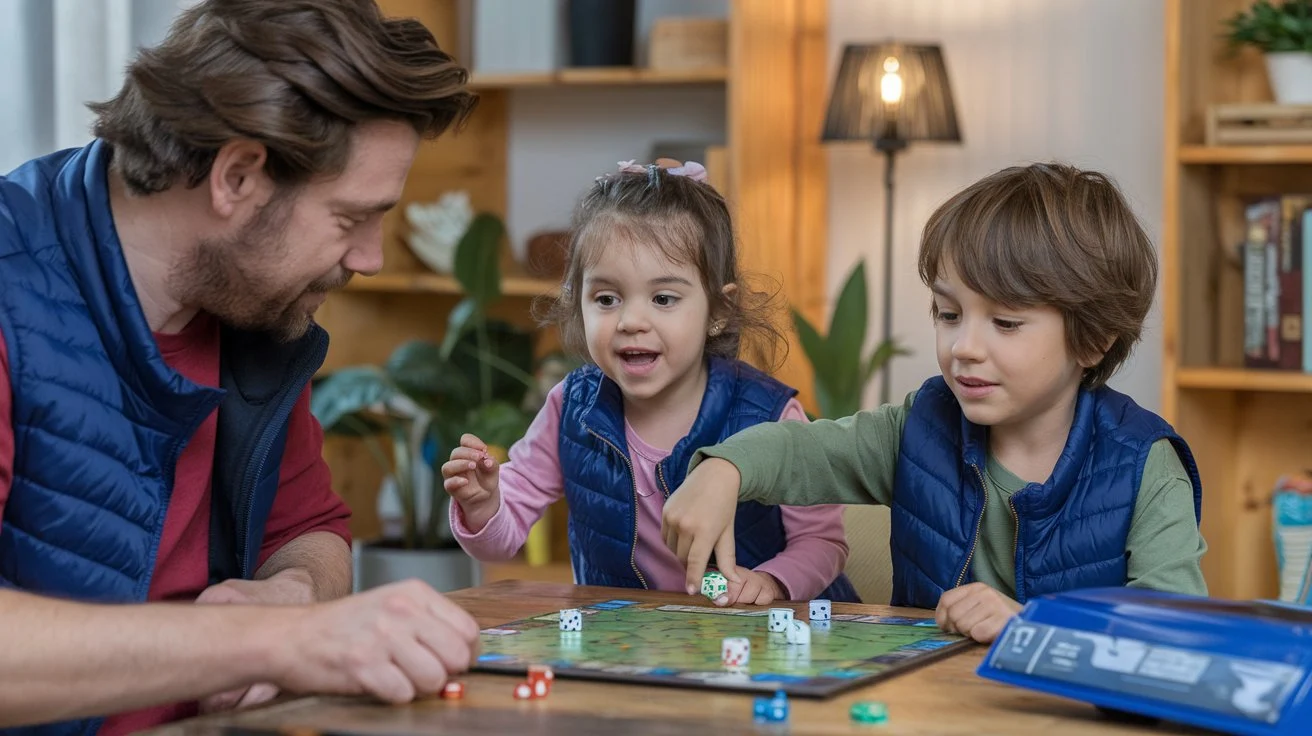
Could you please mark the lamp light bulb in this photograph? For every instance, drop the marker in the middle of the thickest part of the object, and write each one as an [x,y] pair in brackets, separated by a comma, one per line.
[890,83]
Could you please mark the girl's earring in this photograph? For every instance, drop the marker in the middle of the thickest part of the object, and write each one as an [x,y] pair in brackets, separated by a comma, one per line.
[715,329]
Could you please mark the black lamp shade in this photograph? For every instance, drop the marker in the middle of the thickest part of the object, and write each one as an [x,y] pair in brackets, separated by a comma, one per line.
[925,111]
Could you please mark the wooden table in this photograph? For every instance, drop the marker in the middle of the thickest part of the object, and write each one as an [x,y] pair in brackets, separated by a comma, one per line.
[944,697]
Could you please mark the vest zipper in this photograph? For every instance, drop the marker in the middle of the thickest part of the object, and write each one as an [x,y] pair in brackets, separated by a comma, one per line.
[633,550]
[974,540]
[1015,541]
[660,476]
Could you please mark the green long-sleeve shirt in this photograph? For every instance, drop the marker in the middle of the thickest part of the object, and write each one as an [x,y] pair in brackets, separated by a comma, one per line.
[852,461]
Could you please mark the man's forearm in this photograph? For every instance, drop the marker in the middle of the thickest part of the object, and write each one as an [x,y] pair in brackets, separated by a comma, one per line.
[62,660]
[324,556]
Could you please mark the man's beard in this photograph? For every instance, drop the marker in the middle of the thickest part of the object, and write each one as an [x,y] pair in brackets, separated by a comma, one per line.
[234,278]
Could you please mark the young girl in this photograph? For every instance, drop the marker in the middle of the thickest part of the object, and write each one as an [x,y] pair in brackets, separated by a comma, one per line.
[652,296]
[1016,472]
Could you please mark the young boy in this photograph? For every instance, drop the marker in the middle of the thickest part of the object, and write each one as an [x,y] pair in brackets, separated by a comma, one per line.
[1017,472]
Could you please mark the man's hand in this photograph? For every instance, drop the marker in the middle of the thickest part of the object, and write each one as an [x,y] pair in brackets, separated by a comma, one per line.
[756,589]
[288,587]
[392,642]
[698,519]
[975,610]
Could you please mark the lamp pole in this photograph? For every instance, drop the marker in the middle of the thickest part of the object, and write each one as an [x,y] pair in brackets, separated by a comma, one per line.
[890,146]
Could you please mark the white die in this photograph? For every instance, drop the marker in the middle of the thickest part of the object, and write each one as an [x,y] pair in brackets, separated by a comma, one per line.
[571,619]
[735,651]
[779,619]
[798,633]
[820,609]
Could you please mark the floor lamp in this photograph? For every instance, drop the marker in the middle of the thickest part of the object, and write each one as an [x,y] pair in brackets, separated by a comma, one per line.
[891,94]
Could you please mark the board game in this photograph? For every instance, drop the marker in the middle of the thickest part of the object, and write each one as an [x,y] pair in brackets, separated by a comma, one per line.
[678,645]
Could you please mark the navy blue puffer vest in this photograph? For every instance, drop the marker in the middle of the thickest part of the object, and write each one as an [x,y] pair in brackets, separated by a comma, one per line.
[99,419]
[1071,530]
[599,485]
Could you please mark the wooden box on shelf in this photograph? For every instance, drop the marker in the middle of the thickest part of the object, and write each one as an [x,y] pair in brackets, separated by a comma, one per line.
[688,43]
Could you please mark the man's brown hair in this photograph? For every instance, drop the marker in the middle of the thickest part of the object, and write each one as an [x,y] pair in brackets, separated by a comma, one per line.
[294,75]
[1052,234]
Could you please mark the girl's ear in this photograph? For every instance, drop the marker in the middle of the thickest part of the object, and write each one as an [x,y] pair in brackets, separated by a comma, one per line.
[719,320]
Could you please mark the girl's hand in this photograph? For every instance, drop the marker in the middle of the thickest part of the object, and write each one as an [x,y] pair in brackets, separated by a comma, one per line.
[975,610]
[472,476]
[756,589]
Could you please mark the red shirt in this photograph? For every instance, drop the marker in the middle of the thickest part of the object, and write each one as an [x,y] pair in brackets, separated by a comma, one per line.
[305,502]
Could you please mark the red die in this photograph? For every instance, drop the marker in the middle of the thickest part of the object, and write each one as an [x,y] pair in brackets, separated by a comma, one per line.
[523,691]
[453,690]
[540,677]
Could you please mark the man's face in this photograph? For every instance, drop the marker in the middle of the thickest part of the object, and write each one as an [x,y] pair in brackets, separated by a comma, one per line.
[279,265]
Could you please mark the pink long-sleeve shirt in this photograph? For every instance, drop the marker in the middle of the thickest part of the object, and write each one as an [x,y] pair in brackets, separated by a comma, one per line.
[532,480]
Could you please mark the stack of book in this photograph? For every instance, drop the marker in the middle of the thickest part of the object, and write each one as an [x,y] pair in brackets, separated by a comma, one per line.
[1278,240]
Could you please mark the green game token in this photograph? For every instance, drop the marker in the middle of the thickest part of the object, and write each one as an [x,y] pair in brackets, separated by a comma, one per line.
[869,712]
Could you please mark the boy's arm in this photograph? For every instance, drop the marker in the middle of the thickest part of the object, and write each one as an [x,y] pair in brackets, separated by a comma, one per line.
[1164,545]
[529,482]
[849,460]
[816,550]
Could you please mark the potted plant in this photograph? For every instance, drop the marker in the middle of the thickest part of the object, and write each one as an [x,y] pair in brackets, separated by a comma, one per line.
[412,409]
[1283,33]
[842,371]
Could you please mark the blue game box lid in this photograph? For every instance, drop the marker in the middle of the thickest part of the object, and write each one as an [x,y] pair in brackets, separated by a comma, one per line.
[1242,667]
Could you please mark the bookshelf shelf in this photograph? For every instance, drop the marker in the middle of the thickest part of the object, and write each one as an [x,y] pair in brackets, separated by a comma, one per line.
[1257,155]
[433,283]
[1240,379]
[600,76]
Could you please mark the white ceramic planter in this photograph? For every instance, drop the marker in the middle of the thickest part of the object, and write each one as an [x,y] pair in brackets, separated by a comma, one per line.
[1291,76]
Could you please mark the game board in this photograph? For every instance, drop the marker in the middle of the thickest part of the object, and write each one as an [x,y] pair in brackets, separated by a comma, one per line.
[680,645]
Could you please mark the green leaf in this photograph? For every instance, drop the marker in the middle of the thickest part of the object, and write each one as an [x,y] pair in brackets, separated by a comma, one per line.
[478,258]
[457,323]
[847,333]
[498,423]
[883,352]
[347,392]
[815,347]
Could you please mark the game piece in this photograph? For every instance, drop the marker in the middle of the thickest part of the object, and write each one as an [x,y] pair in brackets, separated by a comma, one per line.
[571,619]
[523,691]
[453,690]
[735,651]
[770,710]
[539,678]
[798,633]
[820,609]
[714,584]
[779,618]
[868,711]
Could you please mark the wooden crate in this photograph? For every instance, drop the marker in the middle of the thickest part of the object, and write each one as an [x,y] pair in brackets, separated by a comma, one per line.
[1258,124]
[688,43]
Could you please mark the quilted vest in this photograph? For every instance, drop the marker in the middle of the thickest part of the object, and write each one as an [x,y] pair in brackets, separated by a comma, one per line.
[600,489]
[1071,530]
[100,419]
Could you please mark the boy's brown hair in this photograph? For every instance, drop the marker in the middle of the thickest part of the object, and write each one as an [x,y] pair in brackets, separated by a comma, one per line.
[690,223]
[1052,234]
[294,75]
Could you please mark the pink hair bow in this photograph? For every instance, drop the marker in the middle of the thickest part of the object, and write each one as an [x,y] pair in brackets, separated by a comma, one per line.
[690,169]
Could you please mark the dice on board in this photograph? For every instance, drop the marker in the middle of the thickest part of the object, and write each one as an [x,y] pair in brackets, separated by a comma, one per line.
[714,584]
[798,633]
[571,619]
[820,609]
[778,619]
[736,651]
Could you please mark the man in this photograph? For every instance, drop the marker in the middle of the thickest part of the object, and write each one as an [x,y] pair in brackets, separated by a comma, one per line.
[157,454]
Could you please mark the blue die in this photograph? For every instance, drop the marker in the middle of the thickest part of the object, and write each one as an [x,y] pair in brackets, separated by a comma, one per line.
[770,710]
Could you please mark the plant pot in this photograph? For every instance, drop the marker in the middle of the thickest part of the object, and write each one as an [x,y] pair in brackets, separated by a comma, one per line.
[386,561]
[601,32]
[1290,73]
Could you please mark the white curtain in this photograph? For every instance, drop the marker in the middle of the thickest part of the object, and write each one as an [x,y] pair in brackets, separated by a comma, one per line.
[58,55]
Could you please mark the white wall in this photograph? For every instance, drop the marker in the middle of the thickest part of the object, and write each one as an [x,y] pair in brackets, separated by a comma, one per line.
[1076,80]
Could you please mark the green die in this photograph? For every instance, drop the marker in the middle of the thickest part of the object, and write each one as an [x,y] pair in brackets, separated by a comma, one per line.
[869,712]
[714,585]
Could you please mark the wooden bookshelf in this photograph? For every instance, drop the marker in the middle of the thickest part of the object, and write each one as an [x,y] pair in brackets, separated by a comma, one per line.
[1246,427]
[433,283]
[601,76]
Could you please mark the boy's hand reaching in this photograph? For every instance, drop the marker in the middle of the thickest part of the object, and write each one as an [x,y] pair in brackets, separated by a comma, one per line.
[756,589]
[975,610]
[698,519]
[471,476]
